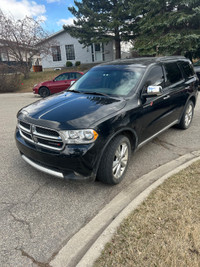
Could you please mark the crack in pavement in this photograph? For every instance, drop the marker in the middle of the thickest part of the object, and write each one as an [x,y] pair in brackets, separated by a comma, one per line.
[36,191]
[38,263]
[24,222]
[24,202]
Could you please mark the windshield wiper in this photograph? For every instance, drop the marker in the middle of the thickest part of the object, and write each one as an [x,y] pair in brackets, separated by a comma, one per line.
[74,91]
[95,93]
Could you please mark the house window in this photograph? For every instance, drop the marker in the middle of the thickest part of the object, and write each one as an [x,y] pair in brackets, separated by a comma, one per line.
[56,53]
[97,47]
[70,54]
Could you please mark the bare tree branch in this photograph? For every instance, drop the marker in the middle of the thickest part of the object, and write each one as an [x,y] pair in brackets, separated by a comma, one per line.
[22,40]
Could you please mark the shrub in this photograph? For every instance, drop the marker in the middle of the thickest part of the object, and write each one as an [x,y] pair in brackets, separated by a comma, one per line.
[69,64]
[10,80]
[78,63]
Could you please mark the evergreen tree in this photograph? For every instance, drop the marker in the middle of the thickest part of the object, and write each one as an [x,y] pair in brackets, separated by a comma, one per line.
[99,21]
[169,28]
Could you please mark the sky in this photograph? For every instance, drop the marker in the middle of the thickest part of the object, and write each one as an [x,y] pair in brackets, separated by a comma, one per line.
[53,13]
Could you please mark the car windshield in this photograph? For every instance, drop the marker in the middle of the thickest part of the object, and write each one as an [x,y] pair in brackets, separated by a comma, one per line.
[109,80]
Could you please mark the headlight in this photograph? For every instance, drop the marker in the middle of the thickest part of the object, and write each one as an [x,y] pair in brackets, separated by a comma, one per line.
[35,85]
[79,136]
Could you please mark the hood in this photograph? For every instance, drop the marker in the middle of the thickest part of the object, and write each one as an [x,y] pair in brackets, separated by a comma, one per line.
[70,110]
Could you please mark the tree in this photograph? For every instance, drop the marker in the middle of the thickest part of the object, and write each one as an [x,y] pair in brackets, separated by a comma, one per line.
[169,28]
[99,21]
[21,40]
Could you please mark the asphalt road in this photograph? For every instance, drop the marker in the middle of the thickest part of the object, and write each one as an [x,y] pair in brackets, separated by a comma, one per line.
[39,213]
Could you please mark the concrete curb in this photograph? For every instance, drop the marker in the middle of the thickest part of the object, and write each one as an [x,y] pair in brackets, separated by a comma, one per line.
[86,245]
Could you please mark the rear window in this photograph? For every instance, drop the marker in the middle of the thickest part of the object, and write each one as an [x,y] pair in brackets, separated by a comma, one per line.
[173,73]
[187,68]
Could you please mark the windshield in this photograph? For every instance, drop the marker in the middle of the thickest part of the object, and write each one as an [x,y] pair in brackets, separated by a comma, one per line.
[116,81]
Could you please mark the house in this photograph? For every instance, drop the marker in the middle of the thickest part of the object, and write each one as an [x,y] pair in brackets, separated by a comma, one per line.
[67,48]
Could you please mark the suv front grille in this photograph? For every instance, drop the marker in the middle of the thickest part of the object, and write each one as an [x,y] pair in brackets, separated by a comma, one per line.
[40,136]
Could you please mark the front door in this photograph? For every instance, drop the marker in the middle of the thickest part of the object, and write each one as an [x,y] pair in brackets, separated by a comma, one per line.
[60,83]
[155,113]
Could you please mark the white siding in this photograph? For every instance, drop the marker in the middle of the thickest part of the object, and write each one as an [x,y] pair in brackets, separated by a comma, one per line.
[84,55]
[108,51]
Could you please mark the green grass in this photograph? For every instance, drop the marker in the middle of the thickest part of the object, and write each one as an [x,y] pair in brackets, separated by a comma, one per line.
[164,230]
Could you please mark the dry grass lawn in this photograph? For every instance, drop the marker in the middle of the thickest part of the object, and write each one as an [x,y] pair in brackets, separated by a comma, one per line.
[164,230]
[36,77]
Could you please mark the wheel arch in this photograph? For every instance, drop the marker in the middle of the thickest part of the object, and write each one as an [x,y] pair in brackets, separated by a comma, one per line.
[193,99]
[129,133]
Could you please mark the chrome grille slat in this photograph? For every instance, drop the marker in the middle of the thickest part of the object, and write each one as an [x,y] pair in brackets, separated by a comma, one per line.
[25,125]
[24,129]
[26,138]
[36,134]
[45,131]
[47,136]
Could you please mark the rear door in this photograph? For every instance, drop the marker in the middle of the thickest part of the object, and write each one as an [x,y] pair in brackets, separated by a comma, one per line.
[177,87]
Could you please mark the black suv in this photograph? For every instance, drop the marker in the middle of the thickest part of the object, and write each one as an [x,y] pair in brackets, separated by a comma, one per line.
[89,130]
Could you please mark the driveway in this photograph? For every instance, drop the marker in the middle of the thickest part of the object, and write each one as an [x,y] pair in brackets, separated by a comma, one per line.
[40,213]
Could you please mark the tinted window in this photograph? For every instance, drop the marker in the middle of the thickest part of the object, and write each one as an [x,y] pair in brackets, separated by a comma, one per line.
[173,73]
[61,77]
[155,76]
[188,69]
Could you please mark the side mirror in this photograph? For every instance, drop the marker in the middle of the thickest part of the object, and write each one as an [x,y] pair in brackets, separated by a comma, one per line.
[154,90]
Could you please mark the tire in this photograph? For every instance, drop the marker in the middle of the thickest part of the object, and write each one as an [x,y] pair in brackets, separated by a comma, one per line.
[44,92]
[115,161]
[187,116]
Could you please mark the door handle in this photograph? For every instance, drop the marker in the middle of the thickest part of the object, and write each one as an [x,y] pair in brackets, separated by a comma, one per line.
[166,97]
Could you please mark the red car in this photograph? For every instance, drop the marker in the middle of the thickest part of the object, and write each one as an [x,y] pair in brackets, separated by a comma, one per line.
[58,84]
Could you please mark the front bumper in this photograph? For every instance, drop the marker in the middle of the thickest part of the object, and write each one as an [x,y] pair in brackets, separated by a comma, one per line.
[35,90]
[77,162]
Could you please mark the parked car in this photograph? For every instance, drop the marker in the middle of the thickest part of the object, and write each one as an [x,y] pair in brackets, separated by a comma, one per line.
[58,84]
[197,69]
[90,130]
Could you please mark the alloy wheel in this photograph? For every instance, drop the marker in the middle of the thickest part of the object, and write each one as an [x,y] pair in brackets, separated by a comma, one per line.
[188,115]
[120,160]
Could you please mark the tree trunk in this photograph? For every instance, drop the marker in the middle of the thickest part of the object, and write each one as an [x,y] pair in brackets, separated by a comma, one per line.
[117,44]
[25,69]
[117,49]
